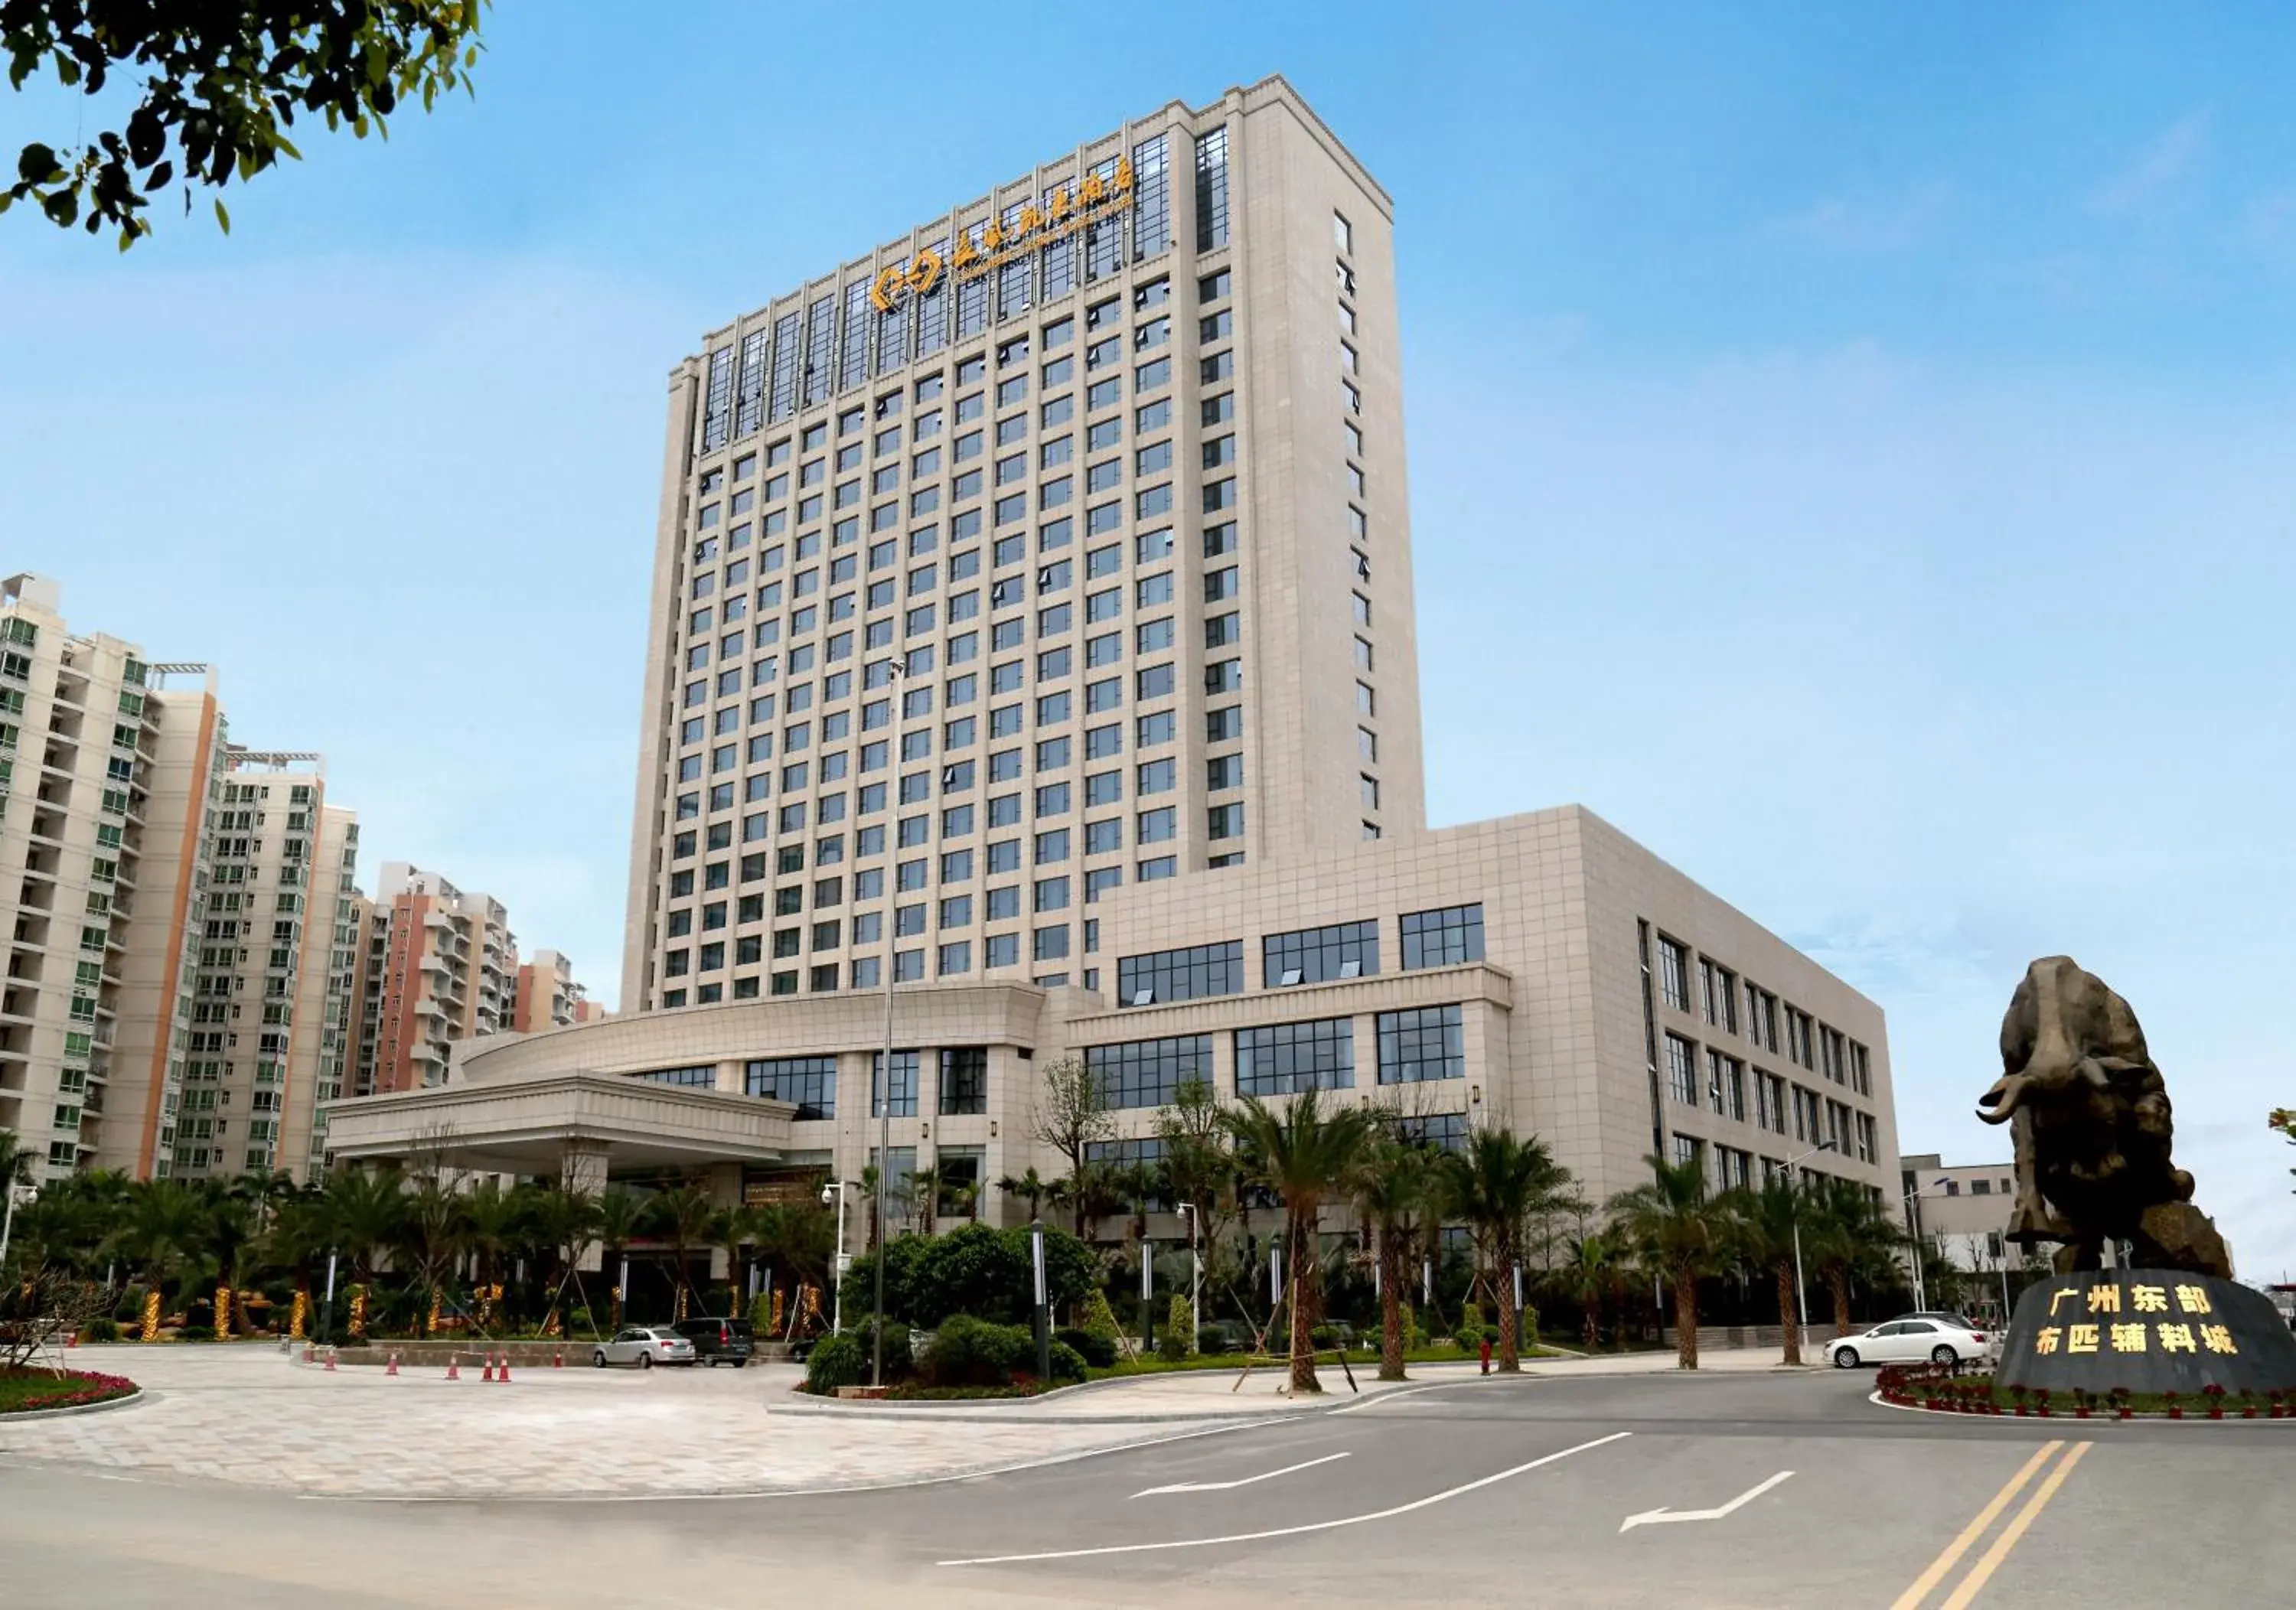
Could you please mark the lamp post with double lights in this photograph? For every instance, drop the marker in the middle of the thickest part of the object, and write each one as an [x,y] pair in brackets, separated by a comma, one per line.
[1195,1277]
[840,1260]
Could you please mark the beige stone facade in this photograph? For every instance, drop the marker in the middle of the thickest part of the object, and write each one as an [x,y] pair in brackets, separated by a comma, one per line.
[1963,1209]
[1089,570]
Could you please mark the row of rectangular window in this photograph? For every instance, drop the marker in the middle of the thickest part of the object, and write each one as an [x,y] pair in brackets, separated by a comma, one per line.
[1806,1043]
[1446,937]
[1413,1046]
[1777,1105]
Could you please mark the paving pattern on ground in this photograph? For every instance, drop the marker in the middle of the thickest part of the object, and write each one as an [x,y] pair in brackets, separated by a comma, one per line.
[245,1414]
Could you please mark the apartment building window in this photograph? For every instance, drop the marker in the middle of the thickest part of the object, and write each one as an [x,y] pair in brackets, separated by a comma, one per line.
[1343,234]
[1681,1070]
[1421,1043]
[1762,1018]
[904,1094]
[1190,973]
[1149,1073]
[1284,1057]
[1861,1070]
[1726,1084]
[1674,972]
[1443,937]
[964,1080]
[1717,994]
[1869,1143]
[1342,950]
[1769,1101]
[809,1081]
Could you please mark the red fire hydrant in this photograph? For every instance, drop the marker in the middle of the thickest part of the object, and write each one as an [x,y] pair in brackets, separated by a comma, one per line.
[1486,1355]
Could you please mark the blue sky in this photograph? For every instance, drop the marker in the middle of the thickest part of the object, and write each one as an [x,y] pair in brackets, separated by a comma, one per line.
[1854,454]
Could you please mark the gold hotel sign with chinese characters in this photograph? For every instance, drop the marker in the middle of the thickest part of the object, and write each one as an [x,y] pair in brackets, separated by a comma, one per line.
[2149,1324]
[1062,214]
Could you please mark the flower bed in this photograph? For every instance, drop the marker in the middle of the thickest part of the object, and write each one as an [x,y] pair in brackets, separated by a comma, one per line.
[1947,1390]
[23,1391]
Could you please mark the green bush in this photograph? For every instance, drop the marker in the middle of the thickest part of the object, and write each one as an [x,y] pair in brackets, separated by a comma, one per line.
[1068,1364]
[1324,1335]
[1179,1325]
[195,1333]
[1099,1318]
[966,1351]
[973,1270]
[101,1330]
[1099,1352]
[838,1361]
[843,1360]
[1211,1338]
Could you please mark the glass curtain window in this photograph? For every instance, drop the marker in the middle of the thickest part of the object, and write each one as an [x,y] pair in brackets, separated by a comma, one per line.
[1151,199]
[1015,279]
[1103,240]
[1421,1044]
[893,330]
[783,403]
[1211,190]
[1149,1073]
[904,1085]
[750,413]
[1060,257]
[820,341]
[718,402]
[1284,1058]
[972,294]
[933,309]
[853,358]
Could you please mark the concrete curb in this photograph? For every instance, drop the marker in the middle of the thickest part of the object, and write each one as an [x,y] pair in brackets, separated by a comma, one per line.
[21,1415]
[2056,1422]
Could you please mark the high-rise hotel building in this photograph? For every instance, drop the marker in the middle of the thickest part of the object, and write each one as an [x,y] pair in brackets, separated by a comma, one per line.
[1032,637]
[1057,545]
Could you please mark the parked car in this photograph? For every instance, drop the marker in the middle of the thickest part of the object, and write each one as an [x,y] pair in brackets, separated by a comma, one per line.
[1936,1339]
[718,1341]
[644,1346]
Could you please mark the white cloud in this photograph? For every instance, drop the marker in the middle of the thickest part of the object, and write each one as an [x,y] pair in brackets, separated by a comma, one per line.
[2156,170]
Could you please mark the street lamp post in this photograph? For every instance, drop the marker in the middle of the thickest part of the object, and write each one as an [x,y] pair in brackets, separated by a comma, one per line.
[1802,1295]
[8,1219]
[1196,1278]
[836,1261]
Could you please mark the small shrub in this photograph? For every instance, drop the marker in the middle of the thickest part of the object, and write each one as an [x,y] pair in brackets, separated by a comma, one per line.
[1179,1325]
[1068,1364]
[843,1360]
[1470,1318]
[1099,1352]
[1099,1318]
[101,1330]
[195,1333]
[1210,1339]
[1324,1335]
[966,1351]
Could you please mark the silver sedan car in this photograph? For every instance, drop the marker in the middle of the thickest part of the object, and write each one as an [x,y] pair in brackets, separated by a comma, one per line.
[644,1346]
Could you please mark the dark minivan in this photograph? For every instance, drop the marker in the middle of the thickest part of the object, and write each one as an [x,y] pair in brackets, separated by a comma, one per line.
[718,1341]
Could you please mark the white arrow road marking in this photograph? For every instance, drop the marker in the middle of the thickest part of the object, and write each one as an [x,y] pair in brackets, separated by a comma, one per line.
[1654,1517]
[1345,1520]
[1265,1476]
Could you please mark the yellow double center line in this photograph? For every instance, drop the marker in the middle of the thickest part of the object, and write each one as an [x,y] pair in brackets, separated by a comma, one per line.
[1991,1560]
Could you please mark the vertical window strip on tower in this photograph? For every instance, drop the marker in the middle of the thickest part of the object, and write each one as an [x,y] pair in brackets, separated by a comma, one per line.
[1103,241]
[933,309]
[1151,199]
[783,402]
[972,294]
[1211,190]
[717,406]
[820,339]
[893,330]
[1060,257]
[750,413]
[853,360]
[1015,279]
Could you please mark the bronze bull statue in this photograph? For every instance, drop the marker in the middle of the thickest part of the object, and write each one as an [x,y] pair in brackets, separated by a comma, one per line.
[2090,1115]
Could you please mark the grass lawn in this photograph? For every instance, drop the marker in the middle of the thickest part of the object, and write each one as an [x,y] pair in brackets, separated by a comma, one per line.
[28,1389]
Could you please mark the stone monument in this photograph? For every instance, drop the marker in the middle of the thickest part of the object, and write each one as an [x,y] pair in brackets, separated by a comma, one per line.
[2090,1115]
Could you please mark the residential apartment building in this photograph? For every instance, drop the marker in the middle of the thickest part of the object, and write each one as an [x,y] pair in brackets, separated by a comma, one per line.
[1032,637]
[546,995]
[173,1002]
[441,965]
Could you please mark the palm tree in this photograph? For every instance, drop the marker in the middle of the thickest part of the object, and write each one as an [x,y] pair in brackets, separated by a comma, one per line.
[565,1220]
[1304,1153]
[681,1217]
[166,1227]
[363,1213]
[490,1225]
[1594,1269]
[924,1197]
[797,1240]
[432,1235]
[1030,1188]
[731,1229]
[1760,1226]
[1497,1184]
[1393,1187]
[1676,1233]
[1846,1232]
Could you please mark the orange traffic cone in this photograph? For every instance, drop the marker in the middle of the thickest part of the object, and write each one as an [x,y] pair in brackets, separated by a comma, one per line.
[393,1367]
[453,1368]
[330,1360]
[505,1376]
[558,1360]
[489,1373]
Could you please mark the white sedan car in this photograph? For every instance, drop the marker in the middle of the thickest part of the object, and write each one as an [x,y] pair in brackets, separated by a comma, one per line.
[1933,1339]
[644,1346]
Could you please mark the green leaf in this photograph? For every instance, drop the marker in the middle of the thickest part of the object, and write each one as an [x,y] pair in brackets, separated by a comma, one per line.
[39,166]
[222,214]
[62,206]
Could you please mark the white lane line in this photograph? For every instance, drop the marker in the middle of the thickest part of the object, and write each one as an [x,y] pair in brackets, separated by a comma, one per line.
[1246,1481]
[1389,1397]
[1659,1517]
[1253,1537]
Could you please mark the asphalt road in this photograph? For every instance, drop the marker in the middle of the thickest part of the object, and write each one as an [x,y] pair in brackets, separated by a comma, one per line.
[1492,1492]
